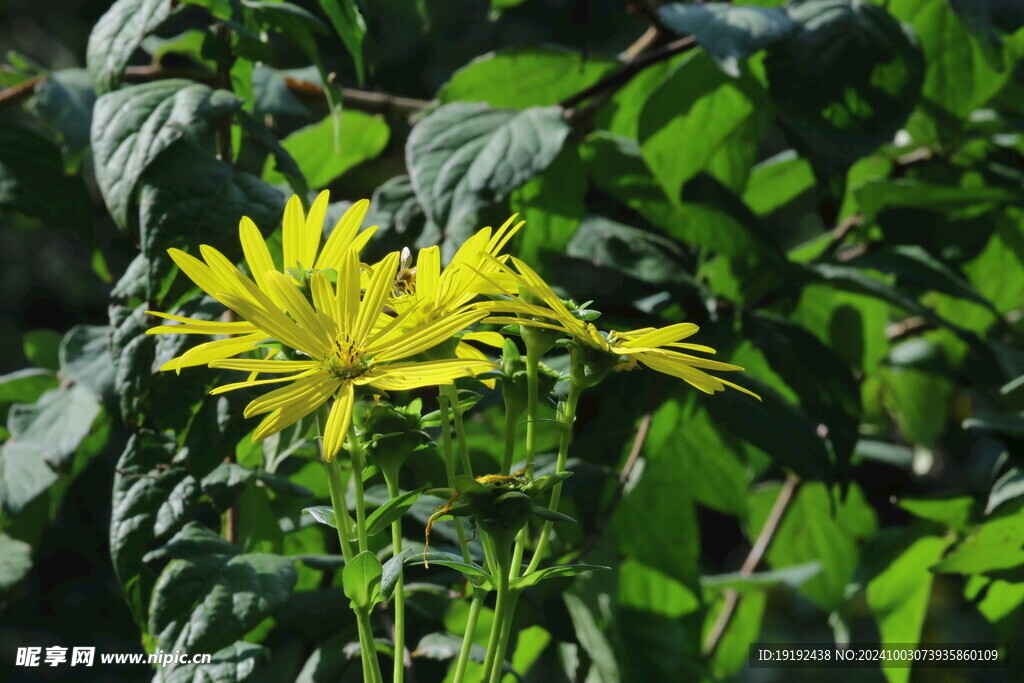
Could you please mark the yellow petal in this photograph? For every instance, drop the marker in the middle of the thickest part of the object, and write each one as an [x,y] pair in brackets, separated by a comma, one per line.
[338,421]
[376,296]
[256,253]
[490,338]
[428,272]
[316,324]
[196,326]
[292,232]
[313,229]
[267,317]
[342,235]
[291,413]
[253,383]
[297,392]
[253,365]
[212,351]
[346,302]
[402,376]
[197,271]
[467,351]
[660,337]
[423,338]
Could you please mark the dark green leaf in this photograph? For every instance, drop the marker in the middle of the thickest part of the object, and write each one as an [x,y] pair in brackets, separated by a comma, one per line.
[866,70]
[994,546]
[347,19]
[116,36]
[999,423]
[952,512]
[133,126]
[463,157]
[451,561]
[32,174]
[207,602]
[225,483]
[65,101]
[391,511]
[235,663]
[552,206]
[1008,487]
[518,78]
[551,515]
[729,33]
[558,571]
[777,181]
[193,541]
[875,197]
[391,572]
[85,358]
[362,580]
[15,562]
[323,514]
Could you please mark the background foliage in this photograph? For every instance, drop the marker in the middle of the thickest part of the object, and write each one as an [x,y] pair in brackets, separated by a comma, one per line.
[833,190]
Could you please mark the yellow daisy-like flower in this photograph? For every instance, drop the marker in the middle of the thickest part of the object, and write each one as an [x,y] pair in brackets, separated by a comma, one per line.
[649,346]
[344,346]
[426,292]
[301,241]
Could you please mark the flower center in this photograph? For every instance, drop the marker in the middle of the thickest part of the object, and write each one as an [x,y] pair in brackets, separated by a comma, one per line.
[345,360]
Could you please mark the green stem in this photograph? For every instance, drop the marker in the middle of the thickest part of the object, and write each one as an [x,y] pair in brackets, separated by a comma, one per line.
[453,397]
[449,466]
[367,646]
[510,441]
[341,516]
[506,632]
[532,384]
[501,607]
[467,638]
[568,417]
[391,478]
[355,450]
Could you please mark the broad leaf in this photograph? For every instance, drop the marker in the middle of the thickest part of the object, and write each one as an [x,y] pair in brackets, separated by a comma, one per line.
[15,562]
[362,580]
[26,386]
[54,425]
[558,571]
[451,561]
[85,358]
[463,157]
[391,511]
[116,36]
[235,663]
[729,33]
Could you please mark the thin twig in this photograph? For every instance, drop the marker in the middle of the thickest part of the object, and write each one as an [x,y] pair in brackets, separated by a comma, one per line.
[764,539]
[642,430]
[16,93]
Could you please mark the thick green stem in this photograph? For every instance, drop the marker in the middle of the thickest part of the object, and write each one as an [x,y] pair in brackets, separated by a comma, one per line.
[341,516]
[532,384]
[391,477]
[449,466]
[506,631]
[467,639]
[568,417]
[355,450]
[367,647]
[501,561]
[460,434]
[510,441]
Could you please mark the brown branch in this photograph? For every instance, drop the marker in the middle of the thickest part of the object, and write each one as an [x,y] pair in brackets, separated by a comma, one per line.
[618,79]
[16,93]
[907,328]
[757,551]
[642,430]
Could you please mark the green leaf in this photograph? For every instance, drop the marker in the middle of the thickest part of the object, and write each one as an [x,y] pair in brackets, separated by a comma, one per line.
[225,483]
[729,33]
[551,515]
[116,36]
[776,182]
[592,638]
[235,663]
[362,580]
[452,562]
[811,532]
[959,77]
[54,425]
[188,197]
[26,386]
[390,512]
[877,196]
[42,348]
[518,78]
[194,540]
[258,142]
[207,602]
[145,481]
[552,206]
[918,396]
[323,514]
[64,101]
[463,157]
[866,70]
[32,174]
[898,597]
[135,125]
[362,137]
[793,577]
[347,20]
[697,120]
[953,512]
[85,358]
[15,562]
[557,571]
[744,628]
[992,547]
[391,572]
[823,381]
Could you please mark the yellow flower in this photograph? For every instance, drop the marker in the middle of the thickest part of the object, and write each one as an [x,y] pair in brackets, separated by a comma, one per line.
[652,347]
[426,292]
[301,241]
[344,346]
